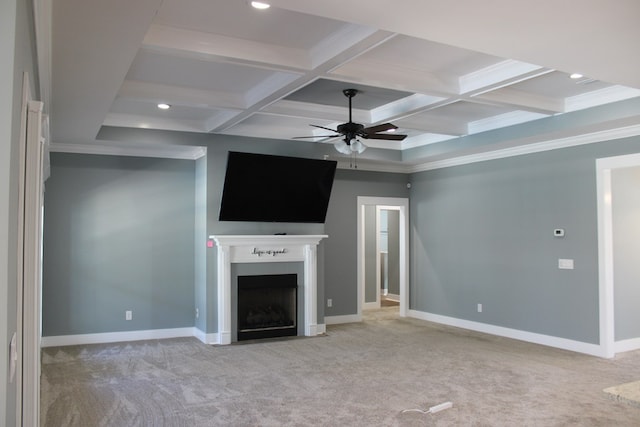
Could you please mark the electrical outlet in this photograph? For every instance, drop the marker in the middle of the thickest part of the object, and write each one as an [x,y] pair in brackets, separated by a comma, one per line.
[479,308]
[197,313]
[128,315]
[329,302]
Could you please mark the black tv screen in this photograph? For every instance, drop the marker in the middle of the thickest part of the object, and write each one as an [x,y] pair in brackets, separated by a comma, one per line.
[267,188]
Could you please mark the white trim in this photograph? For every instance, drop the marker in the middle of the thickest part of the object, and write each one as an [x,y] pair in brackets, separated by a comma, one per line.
[109,337]
[322,328]
[206,338]
[547,340]
[402,204]
[338,320]
[606,287]
[156,150]
[22,389]
[627,345]
[32,265]
[534,147]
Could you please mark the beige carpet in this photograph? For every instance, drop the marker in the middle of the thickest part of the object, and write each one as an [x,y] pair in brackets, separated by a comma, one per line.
[362,374]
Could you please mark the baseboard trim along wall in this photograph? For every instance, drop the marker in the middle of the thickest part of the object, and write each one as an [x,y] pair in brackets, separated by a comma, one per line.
[550,341]
[627,345]
[337,320]
[107,337]
[152,334]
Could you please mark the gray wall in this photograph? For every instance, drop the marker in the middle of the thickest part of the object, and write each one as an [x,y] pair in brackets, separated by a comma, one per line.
[118,235]
[17,55]
[626,249]
[483,233]
[341,226]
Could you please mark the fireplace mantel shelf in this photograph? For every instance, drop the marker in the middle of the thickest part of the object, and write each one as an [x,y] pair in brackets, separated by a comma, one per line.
[266,248]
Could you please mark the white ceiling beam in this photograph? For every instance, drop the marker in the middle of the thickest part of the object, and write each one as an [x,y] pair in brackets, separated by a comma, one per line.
[386,75]
[215,47]
[522,101]
[498,75]
[403,107]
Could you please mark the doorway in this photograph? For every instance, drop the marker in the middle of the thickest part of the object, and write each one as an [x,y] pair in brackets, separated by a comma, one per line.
[377,217]
[618,231]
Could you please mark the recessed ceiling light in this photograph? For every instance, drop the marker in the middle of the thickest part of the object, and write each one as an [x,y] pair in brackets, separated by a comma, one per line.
[164,106]
[576,76]
[260,5]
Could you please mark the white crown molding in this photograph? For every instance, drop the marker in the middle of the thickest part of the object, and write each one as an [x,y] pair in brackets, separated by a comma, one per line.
[600,97]
[160,151]
[548,145]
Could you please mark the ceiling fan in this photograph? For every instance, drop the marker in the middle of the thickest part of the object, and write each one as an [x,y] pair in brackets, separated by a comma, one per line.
[350,131]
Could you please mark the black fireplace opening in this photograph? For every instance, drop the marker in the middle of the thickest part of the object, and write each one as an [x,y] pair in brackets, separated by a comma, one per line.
[267,306]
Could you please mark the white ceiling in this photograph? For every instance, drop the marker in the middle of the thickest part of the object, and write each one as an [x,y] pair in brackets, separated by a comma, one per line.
[439,70]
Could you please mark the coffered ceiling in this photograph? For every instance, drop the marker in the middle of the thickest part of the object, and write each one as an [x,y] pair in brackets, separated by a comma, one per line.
[439,70]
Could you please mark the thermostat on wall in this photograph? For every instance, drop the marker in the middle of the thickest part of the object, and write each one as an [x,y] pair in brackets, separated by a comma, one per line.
[558,232]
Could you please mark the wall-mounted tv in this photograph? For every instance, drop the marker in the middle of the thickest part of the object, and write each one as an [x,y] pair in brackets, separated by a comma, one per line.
[268,188]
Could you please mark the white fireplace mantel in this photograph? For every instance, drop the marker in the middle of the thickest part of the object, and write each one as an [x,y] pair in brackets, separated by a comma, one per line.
[267,248]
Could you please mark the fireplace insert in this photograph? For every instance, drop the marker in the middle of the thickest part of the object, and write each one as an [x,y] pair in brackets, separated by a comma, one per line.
[267,306]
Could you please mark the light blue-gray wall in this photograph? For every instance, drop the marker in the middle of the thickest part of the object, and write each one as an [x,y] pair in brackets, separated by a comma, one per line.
[118,235]
[483,233]
[625,192]
[341,226]
[17,55]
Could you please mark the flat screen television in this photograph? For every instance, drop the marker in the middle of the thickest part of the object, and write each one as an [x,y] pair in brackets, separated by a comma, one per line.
[268,188]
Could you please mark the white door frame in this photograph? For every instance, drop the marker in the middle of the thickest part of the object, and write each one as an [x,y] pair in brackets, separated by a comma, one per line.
[29,259]
[604,167]
[396,203]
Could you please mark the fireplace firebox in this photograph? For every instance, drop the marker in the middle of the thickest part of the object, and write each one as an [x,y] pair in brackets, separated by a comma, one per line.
[267,306]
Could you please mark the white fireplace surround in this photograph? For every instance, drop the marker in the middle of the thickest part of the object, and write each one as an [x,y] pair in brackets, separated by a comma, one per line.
[267,249]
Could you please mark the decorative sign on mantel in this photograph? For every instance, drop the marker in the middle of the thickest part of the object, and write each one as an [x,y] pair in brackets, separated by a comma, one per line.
[271,252]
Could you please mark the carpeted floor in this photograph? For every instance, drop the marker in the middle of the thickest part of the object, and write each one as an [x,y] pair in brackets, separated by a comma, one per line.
[360,374]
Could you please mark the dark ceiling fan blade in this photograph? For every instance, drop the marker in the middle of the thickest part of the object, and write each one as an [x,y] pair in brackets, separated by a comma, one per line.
[322,127]
[380,128]
[318,136]
[387,136]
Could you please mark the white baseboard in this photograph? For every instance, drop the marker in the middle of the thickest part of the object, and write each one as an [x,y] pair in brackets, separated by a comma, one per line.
[107,337]
[336,320]
[548,340]
[627,345]
[370,305]
[206,338]
[152,334]
[393,297]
